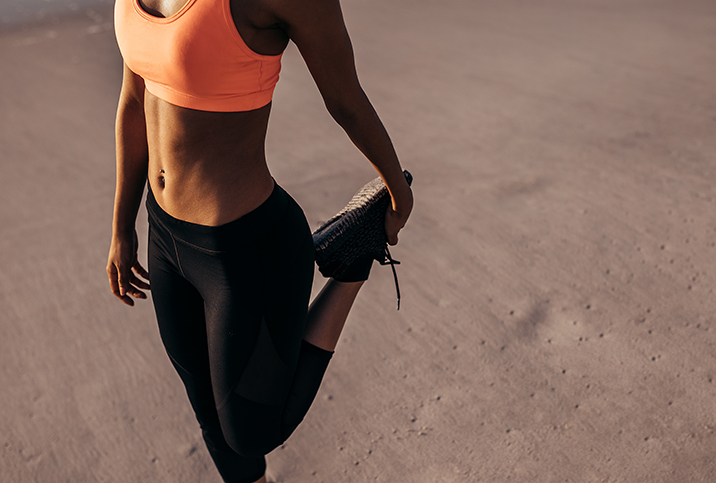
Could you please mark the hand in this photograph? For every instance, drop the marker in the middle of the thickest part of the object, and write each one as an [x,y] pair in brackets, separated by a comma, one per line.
[397,216]
[122,260]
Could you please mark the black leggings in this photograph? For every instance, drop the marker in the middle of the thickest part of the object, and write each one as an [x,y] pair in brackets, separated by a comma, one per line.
[231,302]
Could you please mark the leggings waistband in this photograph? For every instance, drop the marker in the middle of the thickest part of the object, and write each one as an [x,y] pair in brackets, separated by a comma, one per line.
[249,229]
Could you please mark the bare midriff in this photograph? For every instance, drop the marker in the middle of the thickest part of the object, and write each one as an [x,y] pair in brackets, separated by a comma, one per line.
[205,167]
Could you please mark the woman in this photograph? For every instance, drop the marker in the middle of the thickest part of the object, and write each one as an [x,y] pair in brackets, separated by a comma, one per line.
[230,253]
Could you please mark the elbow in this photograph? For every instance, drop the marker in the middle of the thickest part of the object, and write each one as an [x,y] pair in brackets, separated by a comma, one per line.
[342,112]
[347,105]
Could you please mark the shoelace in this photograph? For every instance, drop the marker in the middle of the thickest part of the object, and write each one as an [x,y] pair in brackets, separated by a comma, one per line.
[387,259]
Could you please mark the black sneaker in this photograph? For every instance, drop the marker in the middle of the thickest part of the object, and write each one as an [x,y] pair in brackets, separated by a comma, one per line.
[347,244]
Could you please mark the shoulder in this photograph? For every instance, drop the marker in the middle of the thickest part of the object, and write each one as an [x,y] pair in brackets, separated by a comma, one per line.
[302,14]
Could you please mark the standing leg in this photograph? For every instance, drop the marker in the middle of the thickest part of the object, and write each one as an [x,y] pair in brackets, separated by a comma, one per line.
[180,314]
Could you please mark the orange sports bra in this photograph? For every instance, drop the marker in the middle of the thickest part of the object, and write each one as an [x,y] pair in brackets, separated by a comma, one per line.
[196,57]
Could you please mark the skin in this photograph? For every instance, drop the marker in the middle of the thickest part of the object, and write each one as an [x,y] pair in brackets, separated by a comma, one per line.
[210,167]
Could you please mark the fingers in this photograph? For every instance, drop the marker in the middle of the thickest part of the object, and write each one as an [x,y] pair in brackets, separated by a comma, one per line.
[124,270]
[113,279]
[134,291]
[137,282]
[128,286]
[393,240]
[127,300]
[124,283]
[115,287]
[140,270]
[143,273]
[393,224]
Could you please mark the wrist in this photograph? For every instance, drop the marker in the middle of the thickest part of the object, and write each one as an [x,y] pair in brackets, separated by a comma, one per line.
[123,232]
[402,201]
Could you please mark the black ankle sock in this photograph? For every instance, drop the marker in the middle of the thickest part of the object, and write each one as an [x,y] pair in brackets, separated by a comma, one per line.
[315,351]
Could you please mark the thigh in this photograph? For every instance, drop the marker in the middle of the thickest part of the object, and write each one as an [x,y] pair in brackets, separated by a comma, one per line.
[255,299]
[179,308]
[255,320]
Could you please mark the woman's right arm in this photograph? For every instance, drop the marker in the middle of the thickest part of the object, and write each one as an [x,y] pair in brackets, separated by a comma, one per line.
[132,165]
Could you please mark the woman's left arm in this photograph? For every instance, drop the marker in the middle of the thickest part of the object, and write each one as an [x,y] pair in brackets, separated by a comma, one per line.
[318,30]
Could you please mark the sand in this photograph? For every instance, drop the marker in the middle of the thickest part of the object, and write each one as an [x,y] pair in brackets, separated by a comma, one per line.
[558,272]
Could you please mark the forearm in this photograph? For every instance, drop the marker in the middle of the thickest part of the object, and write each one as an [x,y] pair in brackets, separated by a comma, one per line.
[363,126]
[132,163]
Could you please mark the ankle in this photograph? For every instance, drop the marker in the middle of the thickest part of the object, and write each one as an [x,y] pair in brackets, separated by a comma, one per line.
[358,271]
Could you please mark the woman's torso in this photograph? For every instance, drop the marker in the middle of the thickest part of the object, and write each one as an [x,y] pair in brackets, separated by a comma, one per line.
[210,167]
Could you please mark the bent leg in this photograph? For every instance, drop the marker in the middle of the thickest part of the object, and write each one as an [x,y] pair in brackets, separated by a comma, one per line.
[255,428]
[268,403]
[312,365]
[266,313]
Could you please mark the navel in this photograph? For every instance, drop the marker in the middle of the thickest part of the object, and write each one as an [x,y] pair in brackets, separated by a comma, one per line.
[161,178]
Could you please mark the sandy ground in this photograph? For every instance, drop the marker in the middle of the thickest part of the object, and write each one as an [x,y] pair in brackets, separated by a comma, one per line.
[558,271]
